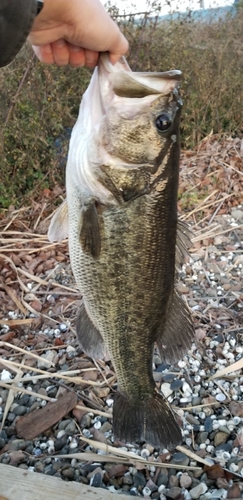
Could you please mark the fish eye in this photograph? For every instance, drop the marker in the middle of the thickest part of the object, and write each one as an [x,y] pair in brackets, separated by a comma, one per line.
[163,122]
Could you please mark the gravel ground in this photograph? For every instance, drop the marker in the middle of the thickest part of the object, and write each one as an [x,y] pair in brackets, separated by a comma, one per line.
[210,409]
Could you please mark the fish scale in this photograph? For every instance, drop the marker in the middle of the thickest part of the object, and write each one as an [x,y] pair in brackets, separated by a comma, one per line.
[122,180]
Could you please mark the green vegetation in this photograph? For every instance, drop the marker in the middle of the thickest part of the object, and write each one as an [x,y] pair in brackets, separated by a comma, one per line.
[38,103]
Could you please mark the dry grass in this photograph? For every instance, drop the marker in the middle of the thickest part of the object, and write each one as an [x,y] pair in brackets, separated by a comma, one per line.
[39,104]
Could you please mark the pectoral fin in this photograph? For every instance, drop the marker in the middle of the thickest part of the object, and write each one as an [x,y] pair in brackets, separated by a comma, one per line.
[58,229]
[175,335]
[88,336]
[90,231]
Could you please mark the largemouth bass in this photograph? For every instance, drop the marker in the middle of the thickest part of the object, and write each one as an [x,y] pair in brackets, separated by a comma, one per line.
[121,179]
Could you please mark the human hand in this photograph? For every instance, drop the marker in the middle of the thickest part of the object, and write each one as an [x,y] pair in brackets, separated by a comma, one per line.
[75,32]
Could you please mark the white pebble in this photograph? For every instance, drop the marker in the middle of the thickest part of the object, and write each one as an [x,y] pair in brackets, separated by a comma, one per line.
[220,397]
[202,415]
[185,400]
[5,375]
[97,425]
[101,452]
[161,488]
[181,364]
[186,389]
[165,388]
[215,425]
[210,448]
[233,467]
[73,444]
[144,453]
[70,348]
[109,402]
[151,468]
[63,327]
[222,422]
[60,434]
[132,471]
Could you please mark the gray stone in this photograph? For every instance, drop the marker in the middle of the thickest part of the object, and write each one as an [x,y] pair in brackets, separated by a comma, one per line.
[4,394]
[52,392]
[162,479]
[180,458]
[23,466]
[71,428]
[139,480]
[208,424]
[174,493]
[68,473]
[185,480]
[18,444]
[19,410]
[85,421]
[237,214]
[45,360]
[202,436]
[2,443]
[220,438]
[11,416]
[63,424]
[173,481]
[200,489]
[34,406]
[196,400]
[176,384]
[128,479]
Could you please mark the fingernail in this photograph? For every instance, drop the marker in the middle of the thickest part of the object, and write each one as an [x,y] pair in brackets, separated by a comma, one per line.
[47,48]
[60,43]
[74,48]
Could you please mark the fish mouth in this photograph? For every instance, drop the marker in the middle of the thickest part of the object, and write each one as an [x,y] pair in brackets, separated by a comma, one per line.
[120,79]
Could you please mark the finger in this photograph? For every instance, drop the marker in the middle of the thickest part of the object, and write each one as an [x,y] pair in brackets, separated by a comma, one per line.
[114,57]
[76,56]
[121,49]
[60,52]
[91,58]
[44,53]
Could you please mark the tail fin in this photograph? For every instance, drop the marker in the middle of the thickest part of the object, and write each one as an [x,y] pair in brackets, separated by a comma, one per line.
[151,421]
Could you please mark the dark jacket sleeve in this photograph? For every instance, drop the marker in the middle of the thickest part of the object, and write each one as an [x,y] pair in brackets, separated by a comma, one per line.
[16,19]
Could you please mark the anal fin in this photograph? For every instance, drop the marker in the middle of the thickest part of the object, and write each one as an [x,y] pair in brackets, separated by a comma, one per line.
[89,336]
[183,242]
[151,420]
[175,335]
